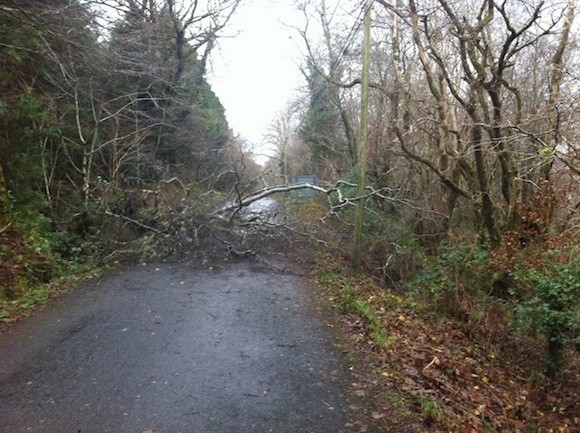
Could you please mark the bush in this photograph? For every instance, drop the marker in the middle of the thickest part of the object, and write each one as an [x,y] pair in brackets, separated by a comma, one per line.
[459,275]
[391,249]
[553,311]
[538,297]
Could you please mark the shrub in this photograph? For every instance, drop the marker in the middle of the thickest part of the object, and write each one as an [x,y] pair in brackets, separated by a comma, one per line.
[553,311]
[457,278]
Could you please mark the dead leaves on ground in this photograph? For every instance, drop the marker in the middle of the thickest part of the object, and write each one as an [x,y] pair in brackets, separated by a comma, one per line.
[456,384]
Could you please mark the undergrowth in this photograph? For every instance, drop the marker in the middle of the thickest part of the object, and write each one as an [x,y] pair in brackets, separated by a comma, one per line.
[501,305]
[36,295]
[354,304]
[431,366]
[497,329]
[32,271]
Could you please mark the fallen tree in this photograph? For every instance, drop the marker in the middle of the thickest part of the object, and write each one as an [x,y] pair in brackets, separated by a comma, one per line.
[336,202]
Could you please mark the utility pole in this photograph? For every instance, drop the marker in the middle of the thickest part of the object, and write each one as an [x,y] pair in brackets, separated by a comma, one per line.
[363,139]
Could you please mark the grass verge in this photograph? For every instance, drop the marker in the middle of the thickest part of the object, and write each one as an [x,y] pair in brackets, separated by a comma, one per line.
[32,296]
[425,368]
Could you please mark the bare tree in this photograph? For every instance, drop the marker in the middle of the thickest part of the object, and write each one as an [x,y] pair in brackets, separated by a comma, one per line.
[468,65]
[282,135]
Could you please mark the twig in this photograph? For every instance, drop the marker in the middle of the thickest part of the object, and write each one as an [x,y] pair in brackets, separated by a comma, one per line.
[131,220]
[7,226]
[308,235]
[434,361]
[262,259]
[232,249]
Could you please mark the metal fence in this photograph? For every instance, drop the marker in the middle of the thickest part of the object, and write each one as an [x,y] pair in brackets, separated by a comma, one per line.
[305,178]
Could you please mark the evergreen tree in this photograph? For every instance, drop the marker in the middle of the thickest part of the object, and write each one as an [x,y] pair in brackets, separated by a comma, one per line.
[321,130]
[164,87]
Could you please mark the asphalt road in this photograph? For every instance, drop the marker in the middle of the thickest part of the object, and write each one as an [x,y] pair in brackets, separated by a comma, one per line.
[167,348]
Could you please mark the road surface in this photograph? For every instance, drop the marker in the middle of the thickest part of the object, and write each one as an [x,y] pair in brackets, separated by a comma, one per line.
[170,348]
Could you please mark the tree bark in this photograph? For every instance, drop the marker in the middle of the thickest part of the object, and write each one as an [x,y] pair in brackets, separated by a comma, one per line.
[555,83]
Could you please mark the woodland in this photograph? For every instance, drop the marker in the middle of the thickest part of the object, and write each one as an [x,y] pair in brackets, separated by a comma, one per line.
[113,145]
[102,102]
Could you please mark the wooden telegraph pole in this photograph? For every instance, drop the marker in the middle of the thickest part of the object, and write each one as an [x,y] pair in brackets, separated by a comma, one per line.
[362,147]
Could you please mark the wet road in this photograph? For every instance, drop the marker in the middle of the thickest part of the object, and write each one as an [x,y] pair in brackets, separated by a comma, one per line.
[167,348]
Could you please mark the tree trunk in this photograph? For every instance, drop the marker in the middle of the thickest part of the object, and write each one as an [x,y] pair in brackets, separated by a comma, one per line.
[487,209]
[556,77]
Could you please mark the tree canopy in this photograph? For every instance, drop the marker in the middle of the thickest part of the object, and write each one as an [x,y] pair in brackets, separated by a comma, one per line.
[98,98]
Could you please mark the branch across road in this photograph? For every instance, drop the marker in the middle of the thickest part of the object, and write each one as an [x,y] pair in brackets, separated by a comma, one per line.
[170,348]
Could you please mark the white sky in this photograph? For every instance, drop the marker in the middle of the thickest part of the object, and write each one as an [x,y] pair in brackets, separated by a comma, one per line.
[256,73]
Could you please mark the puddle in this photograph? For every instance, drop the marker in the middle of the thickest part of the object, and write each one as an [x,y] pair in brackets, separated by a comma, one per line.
[264,211]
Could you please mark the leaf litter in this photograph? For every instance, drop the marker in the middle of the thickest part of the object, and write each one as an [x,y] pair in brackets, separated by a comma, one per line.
[433,372]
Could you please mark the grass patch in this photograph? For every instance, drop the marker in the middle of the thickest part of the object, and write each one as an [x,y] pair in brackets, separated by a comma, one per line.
[350,297]
[402,404]
[381,338]
[31,296]
[364,310]
[431,410]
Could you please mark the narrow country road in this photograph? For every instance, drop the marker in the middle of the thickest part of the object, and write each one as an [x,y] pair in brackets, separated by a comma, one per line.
[168,348]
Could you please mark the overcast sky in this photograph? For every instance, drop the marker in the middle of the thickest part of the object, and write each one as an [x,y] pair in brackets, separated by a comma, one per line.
[256,72]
